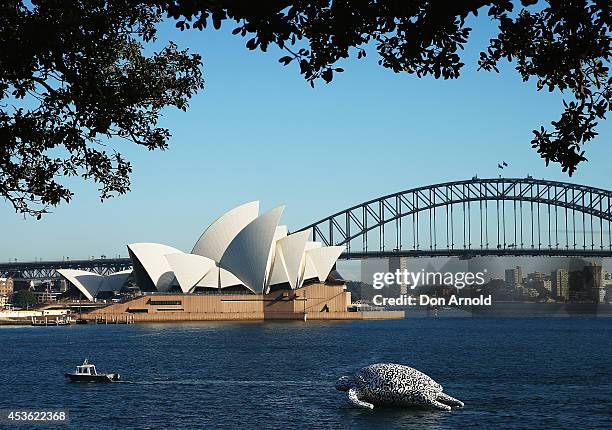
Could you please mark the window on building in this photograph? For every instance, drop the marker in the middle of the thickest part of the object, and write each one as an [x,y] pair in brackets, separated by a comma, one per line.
[164,302]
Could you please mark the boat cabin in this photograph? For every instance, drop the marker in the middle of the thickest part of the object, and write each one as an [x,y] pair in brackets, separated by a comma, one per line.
[86,369]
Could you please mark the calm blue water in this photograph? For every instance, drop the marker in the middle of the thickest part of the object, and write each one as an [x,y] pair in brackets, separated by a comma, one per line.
[537,373]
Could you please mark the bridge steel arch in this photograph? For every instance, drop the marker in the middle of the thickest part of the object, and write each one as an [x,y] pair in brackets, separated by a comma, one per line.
[561,201]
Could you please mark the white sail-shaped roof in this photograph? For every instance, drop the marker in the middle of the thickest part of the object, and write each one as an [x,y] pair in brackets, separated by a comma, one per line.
[240,248]
[247,255]
[323,259]
[90,284]
[211,280]
[309,271]
[228,279]
[115,281]
[151,258]
[291,250]
[189,269]
[279,272]
[280,232]
[86,282]
[216,238]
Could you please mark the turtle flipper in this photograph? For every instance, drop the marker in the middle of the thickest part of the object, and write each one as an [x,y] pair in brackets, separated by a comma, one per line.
[449,400]
[354,400]
[437,405]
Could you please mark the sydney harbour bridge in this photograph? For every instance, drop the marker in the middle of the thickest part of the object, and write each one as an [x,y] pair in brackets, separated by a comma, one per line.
[475,217]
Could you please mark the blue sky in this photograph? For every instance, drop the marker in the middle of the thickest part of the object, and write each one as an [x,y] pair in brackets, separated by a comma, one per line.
[258,131]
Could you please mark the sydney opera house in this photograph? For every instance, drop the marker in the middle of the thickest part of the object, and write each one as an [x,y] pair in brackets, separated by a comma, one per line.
[245,266]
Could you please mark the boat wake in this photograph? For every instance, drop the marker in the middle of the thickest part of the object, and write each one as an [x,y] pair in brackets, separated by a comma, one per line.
[225,382]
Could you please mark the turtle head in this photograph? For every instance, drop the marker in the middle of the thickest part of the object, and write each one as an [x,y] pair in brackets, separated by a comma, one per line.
[344,383]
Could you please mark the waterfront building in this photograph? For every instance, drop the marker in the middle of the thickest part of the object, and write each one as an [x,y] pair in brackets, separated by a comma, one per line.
[401,264]
[560,284]
[602,295]
[594,281]
[6,291]
[46,296]
[46,291]
[578,287]
[6,286]
[607,286]
[514,277]
[536,276]
[22,284]
[510,278]
[540,282]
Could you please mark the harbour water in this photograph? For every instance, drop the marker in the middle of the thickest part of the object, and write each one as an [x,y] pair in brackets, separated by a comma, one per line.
[517,373]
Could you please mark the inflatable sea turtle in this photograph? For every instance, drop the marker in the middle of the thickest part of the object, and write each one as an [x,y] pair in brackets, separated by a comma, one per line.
[386,384]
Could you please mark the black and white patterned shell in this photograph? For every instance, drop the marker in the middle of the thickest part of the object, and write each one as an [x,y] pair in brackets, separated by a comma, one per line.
[387,384]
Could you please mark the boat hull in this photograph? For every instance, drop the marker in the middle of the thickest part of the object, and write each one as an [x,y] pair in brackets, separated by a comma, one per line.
[110,377]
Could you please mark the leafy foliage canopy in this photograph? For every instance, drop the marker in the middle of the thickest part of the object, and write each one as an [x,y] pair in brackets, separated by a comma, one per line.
[74,78]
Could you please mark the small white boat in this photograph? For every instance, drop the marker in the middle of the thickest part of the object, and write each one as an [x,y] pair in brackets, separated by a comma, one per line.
[86,372]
